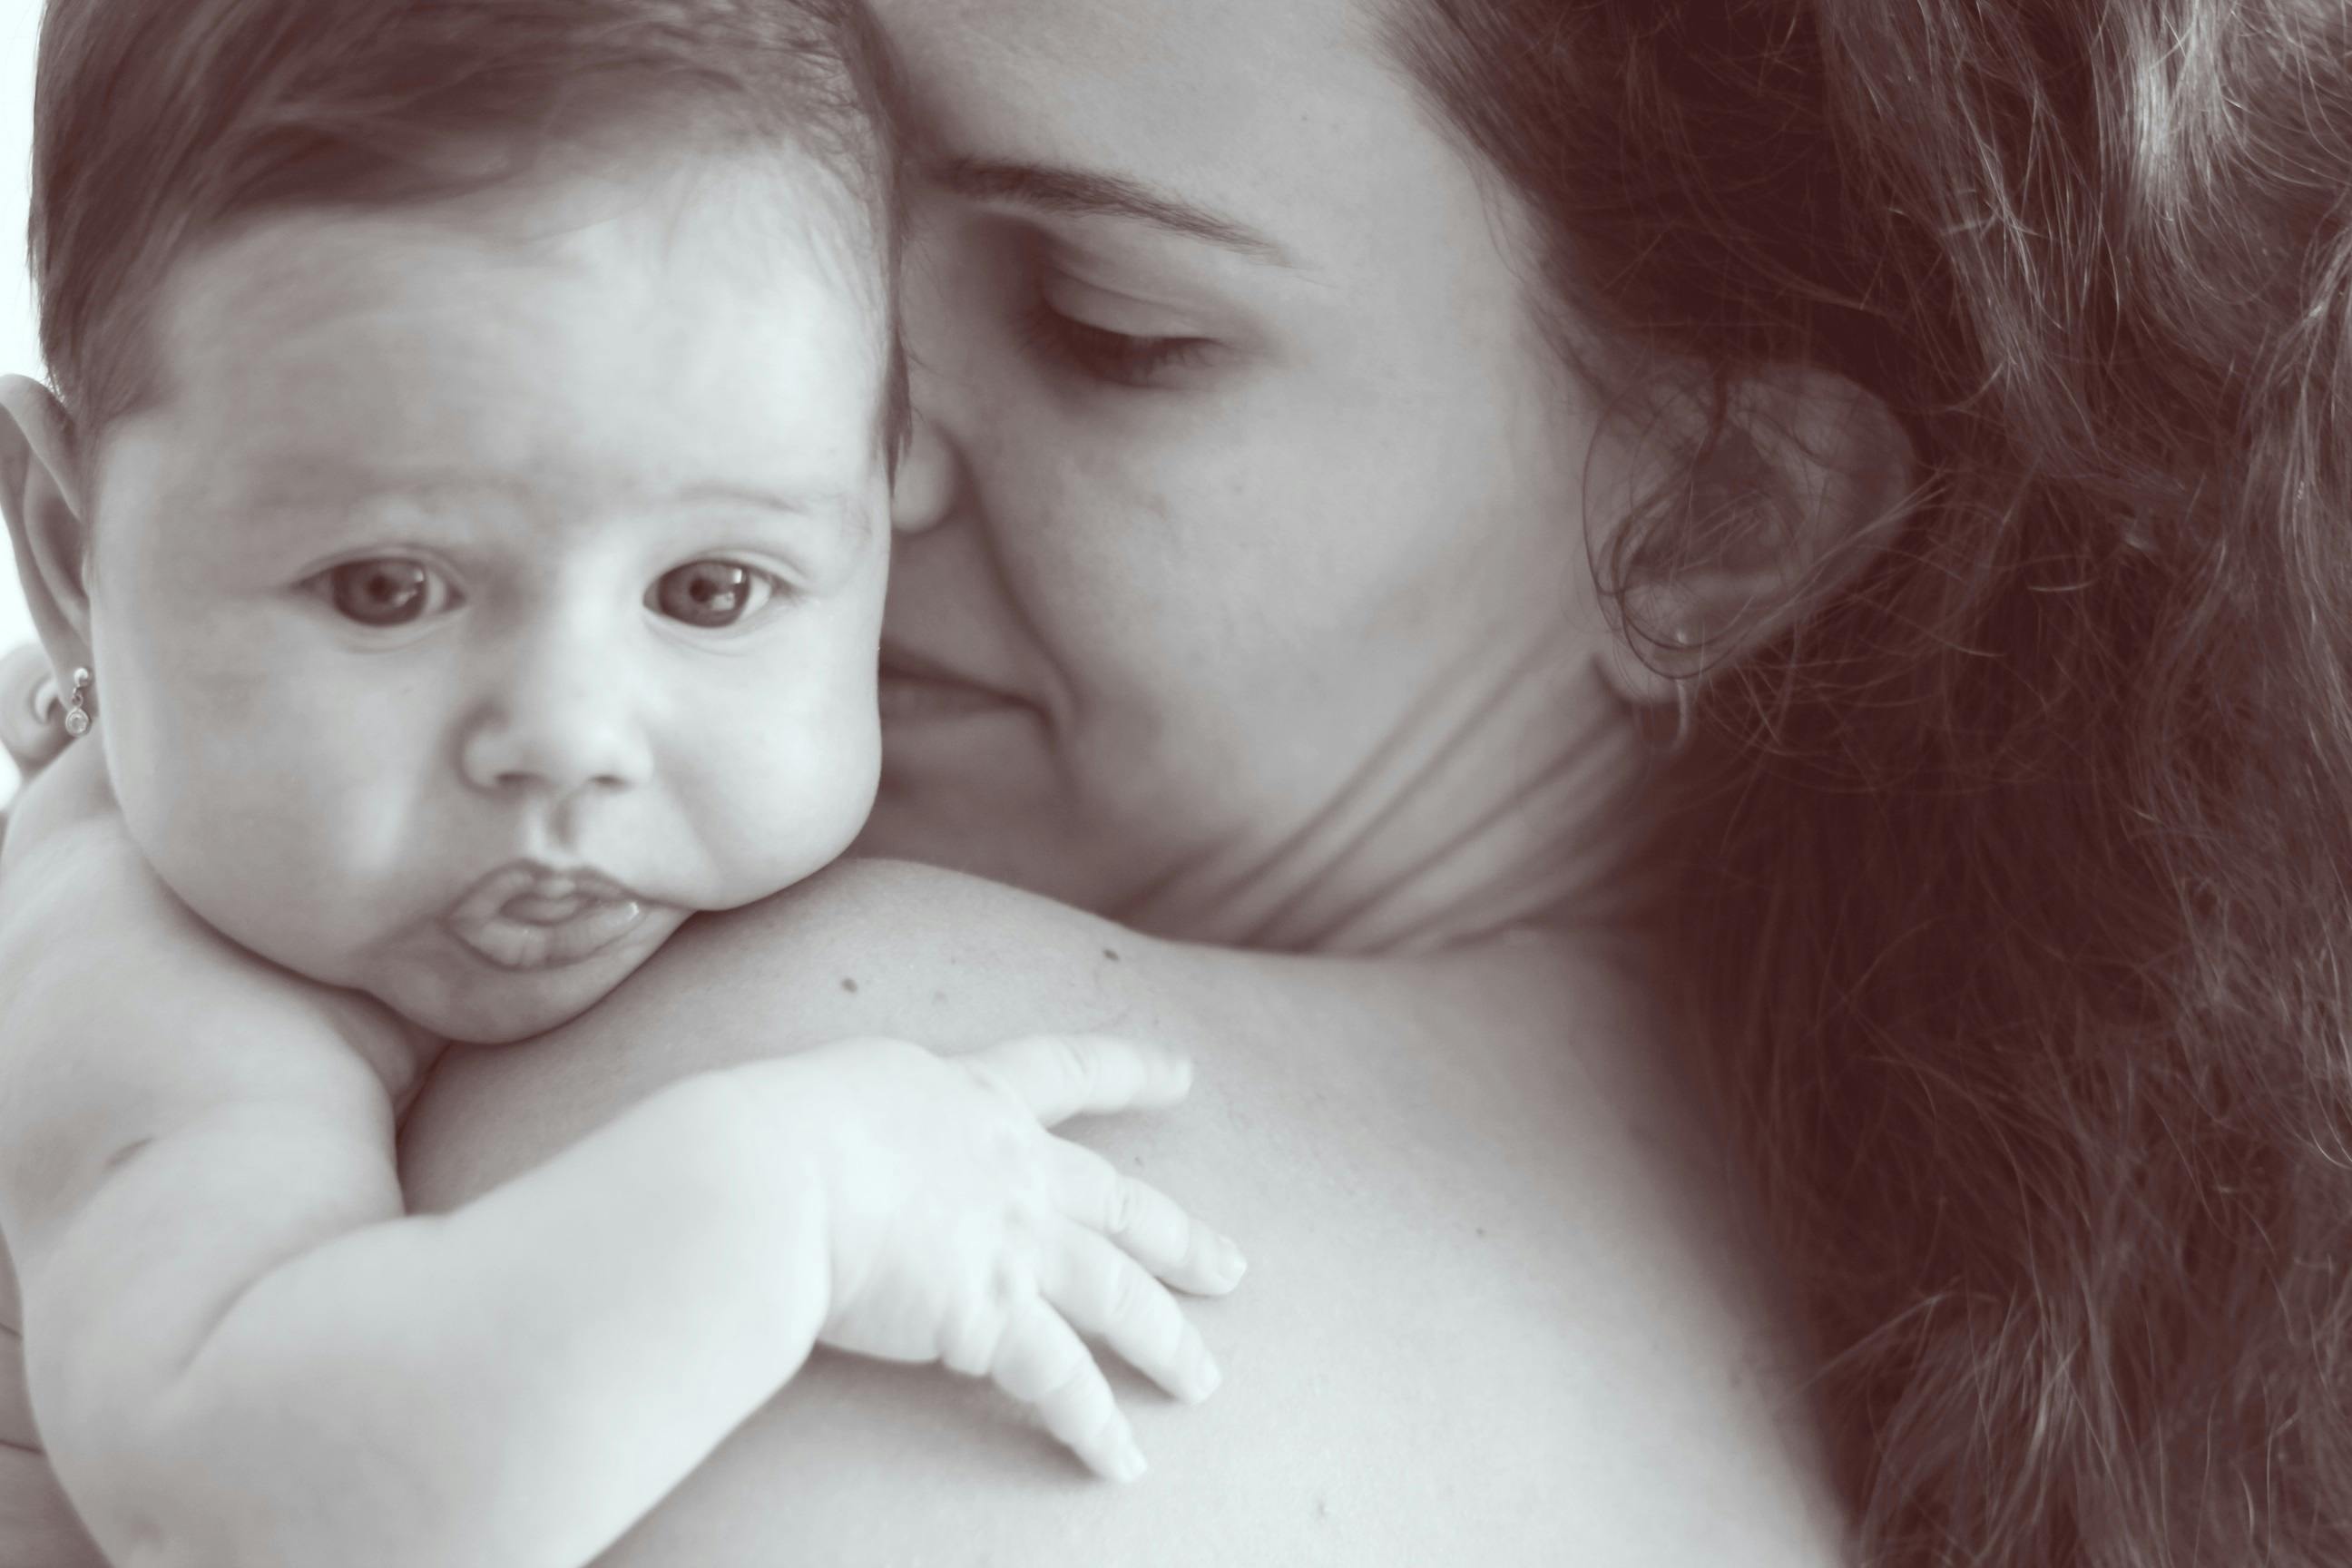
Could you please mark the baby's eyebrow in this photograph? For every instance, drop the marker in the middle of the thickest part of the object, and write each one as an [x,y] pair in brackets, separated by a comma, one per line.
[365,485]
[833,507]
[767,500]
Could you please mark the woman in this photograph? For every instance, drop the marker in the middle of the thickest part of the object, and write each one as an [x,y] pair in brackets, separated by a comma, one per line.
[1347,425]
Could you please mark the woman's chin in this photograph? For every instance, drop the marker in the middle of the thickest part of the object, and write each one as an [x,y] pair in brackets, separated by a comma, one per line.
[914,824]
[964,771]
[966,826]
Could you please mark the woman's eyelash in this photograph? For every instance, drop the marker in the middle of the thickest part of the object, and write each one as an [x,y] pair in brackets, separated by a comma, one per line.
[1102,353]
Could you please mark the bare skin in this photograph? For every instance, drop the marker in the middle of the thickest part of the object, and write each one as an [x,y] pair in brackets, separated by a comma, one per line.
[1501,1310]
[1626,1397]
[1281,641]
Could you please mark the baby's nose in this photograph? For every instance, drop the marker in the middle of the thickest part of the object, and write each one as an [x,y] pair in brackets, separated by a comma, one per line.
[560,728]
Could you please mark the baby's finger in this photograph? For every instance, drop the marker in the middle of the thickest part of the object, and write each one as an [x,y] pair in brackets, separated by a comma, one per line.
[1150,1224]
[1061,1075]
[1040,1360]
[1105,1293]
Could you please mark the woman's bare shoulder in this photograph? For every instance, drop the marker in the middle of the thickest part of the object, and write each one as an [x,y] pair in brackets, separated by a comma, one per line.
[1498,1309]
[865,947]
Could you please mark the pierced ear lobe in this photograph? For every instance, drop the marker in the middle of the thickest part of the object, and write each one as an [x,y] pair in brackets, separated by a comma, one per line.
[42,494]
[1808,480]
[1655,654]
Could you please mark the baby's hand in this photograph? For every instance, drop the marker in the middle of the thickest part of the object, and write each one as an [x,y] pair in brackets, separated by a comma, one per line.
[962,1231]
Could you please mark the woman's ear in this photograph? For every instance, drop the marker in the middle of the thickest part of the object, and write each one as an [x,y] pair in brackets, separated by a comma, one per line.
[922,491]
[42,492]
[1806,481]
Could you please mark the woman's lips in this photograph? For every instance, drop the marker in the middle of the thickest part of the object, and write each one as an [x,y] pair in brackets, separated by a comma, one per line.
[527,916]
[911,697]
[913,687]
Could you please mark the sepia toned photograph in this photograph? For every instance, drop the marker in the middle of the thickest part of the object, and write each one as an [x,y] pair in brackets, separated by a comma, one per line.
[1176,784]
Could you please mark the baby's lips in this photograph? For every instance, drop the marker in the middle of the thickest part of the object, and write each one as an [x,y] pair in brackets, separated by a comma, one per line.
[489,897]
[530,916]
[544,894]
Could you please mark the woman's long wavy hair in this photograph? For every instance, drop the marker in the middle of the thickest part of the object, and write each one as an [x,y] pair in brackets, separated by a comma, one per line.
[2017,883]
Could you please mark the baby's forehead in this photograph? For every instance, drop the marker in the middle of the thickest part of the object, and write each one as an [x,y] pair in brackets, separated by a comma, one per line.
[753,219]
[167,124]
[701,331]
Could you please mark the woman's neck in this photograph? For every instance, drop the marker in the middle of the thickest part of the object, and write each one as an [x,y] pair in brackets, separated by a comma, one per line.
[1509,802]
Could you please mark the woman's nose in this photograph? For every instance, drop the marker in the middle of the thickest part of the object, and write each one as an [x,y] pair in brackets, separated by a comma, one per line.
[563,723]
[923,493]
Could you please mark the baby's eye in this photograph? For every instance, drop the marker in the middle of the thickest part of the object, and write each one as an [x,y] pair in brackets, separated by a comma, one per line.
[711,594]
[386,591]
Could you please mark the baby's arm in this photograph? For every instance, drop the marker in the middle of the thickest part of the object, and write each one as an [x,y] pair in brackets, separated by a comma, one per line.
[242,1352]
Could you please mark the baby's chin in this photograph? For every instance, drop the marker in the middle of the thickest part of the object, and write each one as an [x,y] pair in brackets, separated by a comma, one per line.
[467,1002]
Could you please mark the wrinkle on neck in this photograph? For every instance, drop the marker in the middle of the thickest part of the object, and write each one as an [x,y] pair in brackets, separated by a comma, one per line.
[1512,796]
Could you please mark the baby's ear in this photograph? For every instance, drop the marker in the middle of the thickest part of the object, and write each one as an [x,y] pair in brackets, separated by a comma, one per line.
[1805,480]
[42,492]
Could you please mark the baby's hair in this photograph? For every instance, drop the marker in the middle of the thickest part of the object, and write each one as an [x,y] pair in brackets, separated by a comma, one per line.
[158,124]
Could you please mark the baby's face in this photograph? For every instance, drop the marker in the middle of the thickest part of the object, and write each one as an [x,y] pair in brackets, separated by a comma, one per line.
[492,586]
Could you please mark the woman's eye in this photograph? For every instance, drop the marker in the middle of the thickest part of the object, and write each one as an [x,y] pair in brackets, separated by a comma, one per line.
[1119,357]
[711,594]
[386,592]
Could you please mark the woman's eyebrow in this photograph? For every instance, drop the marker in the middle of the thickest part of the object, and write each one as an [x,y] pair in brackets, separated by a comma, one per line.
[1084,192]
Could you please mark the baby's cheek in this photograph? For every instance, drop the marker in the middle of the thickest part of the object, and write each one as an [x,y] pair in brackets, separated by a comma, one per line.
[792,809]
[291,834]
[249,871]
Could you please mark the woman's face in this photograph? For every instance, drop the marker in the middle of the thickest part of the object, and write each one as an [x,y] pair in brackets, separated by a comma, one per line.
[1245,481]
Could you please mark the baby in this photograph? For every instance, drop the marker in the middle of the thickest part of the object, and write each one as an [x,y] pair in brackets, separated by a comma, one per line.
[461,531]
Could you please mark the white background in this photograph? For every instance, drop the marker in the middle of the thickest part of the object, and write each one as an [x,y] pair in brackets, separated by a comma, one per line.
[19,351]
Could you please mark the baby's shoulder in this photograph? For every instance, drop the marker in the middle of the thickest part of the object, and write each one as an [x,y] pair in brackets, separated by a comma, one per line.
[71,794]
[130,1031]
[115,993]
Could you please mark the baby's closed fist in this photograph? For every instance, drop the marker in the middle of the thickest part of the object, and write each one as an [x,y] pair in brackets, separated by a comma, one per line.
[962,1230]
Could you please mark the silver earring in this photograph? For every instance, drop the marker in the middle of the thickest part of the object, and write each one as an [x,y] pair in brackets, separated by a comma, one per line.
[77,713]
[1685,695]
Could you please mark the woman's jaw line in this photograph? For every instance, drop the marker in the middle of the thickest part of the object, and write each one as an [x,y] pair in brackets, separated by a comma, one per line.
[1460,824]
[1499,796]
